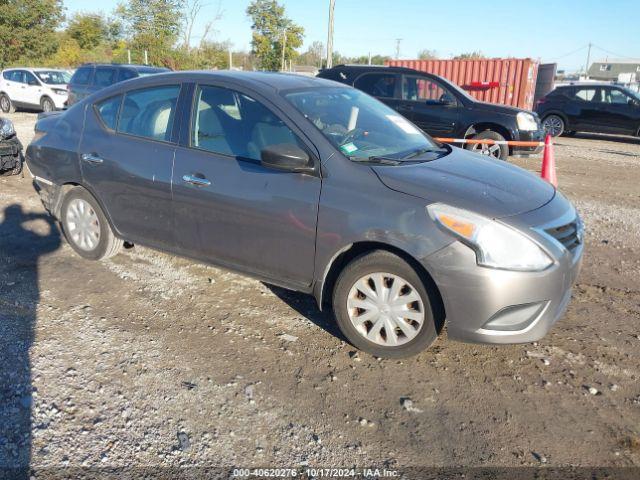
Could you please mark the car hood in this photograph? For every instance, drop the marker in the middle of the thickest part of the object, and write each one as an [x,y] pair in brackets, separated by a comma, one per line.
[471,181]
[497,108]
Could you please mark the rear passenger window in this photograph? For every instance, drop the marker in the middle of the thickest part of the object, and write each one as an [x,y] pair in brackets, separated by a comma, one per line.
[108,111]
[104,77]
[231,123]
[586,94]
[149,112]
[82,76]
[378,84]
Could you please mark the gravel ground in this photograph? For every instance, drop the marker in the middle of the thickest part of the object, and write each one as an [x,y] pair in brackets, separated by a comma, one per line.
[153,360]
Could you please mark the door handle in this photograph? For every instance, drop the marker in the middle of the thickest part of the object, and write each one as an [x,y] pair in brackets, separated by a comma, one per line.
[92,158]
[197,181]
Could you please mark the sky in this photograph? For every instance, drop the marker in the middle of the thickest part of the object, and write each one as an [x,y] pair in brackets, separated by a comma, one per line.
[552,31]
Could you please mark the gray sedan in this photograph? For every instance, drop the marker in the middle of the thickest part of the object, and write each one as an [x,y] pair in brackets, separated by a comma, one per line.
[316,187]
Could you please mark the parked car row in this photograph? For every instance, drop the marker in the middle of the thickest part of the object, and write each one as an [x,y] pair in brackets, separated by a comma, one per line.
[51,89]
[318,187]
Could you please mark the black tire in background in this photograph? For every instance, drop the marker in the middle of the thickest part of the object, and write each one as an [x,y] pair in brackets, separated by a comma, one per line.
[553,125]
[500,152]
[106,243]
[389,263]
[47,104]
[6,105]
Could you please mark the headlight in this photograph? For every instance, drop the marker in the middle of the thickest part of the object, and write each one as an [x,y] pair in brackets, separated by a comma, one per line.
[495,244]
[60,91]
[6,128]
[526,122]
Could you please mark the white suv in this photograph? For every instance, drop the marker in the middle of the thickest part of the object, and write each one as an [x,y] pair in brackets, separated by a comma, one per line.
[41,88]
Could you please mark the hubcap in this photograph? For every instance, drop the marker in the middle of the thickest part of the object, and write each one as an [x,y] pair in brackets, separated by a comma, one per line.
[489,150]
[385,309]
[47,106]
[553,125]
[83,225]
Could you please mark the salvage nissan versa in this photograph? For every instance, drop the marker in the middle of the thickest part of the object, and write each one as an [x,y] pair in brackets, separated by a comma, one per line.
[314,186]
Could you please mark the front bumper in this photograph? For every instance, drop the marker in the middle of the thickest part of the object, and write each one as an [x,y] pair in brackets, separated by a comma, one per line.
[530,136]
[60,101]
[485,305]
[10,154]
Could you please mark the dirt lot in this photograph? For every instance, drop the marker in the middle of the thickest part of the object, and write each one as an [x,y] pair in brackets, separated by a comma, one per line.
[153,360]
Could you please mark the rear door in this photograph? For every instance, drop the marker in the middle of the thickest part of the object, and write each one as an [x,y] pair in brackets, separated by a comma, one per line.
[228,208]
[583,108]
[11,84]
[430,105]
[127,153]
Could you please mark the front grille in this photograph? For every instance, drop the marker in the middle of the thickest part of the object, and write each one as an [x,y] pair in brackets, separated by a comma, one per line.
[569,235]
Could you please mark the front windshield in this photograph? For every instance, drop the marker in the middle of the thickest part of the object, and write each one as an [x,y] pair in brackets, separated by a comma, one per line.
[53,77]
[632,94]
[360,126]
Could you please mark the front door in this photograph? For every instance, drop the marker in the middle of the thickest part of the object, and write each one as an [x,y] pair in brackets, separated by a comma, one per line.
[231,210]
[619,112]
[430,105]
[126,154]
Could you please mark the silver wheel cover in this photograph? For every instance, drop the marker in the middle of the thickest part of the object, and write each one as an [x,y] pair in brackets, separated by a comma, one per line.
[82,225]
[385,309]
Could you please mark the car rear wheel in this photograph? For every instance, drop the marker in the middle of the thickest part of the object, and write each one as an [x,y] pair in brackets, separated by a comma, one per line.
[498,151]
[6,105]
[47,104]
[86,228]
[553,125]
[382,306]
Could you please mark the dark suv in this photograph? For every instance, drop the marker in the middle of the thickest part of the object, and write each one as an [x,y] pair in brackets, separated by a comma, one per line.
[90,78]
[592,107]
[441,108]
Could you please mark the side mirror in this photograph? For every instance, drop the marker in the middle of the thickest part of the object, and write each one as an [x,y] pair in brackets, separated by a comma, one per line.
[447,101]
[633,103]
[287,157]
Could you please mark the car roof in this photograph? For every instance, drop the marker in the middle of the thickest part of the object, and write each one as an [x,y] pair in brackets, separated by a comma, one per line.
[586,84]
[260,81]
[373,68]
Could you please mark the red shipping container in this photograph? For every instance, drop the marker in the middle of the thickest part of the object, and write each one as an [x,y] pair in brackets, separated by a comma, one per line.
[509,81]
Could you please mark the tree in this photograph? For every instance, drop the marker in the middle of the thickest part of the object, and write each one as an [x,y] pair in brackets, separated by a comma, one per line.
[314,55]
[190,15]
[272,32]
[475,55]
[154,25]
[88,29]
[28,29]
[427,54]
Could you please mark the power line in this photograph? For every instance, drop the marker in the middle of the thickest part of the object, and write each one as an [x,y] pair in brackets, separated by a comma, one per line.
[570,53]
[615,54]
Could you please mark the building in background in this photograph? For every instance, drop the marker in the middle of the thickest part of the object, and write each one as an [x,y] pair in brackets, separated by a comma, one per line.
[610,70]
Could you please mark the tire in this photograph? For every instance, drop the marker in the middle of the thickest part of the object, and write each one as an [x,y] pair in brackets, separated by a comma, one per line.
[553,125]
[6,105]
[500,152]
[47,104]
[86,228]
[371,336]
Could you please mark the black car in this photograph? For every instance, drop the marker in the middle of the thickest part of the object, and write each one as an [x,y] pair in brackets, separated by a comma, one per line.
[592,107]
[441,108]
[10,149]
[91,77]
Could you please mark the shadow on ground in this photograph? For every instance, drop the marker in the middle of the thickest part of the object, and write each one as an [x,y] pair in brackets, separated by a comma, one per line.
[20,251]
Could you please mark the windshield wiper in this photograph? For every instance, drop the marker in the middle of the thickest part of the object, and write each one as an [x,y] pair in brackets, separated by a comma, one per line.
[421,151]
[377,160]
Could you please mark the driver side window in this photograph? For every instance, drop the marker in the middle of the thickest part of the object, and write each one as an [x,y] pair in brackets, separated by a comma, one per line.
[425,90]
[231,123]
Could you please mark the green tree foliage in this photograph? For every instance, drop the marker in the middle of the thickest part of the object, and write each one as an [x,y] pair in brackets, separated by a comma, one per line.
[153,25]
[427,54]
[88,29]
[314,55]
[27,29]
[270,29]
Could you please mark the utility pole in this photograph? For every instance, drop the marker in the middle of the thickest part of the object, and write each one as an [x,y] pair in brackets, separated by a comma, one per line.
[369,58]
[129,56]
[230,59]
[586,70]
[398,40]
[146,58]
[332,4]
[284,46]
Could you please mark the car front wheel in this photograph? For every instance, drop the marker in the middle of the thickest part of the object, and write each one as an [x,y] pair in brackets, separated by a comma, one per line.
[497,150]
[86,227]
[382,306]
[553,125]
[47,105]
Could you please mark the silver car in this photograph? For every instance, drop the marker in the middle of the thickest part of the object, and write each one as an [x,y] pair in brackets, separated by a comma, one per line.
[317,187]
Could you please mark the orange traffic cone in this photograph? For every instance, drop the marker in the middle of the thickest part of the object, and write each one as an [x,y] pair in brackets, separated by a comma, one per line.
[549,163]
